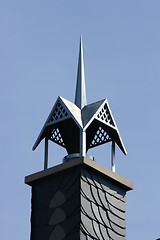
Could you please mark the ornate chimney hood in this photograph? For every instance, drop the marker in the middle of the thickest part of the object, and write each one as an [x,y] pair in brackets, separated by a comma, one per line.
[77,126]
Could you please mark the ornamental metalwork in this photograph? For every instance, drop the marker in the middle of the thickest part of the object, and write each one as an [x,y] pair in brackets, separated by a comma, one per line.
[80,126]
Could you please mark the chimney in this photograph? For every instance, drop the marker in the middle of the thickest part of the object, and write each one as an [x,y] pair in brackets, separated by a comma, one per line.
[79,199]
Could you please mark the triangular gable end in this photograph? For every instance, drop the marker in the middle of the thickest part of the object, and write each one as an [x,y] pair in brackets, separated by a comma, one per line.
[58,113]
[105,115]
[56,137]
[100,137]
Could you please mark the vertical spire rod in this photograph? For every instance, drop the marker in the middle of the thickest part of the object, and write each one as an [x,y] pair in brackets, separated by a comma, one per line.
[46,154]
[83,143]
[80,96]
[113,167]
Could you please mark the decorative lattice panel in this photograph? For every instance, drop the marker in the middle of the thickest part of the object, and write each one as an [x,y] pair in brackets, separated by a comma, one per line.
[56,137]
[58,113]
[100,137]
[105,115]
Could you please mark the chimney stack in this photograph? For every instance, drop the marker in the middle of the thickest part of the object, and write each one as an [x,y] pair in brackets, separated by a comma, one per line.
[79,199]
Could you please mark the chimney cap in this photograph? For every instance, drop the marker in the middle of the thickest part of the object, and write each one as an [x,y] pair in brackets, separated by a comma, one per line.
[79,127]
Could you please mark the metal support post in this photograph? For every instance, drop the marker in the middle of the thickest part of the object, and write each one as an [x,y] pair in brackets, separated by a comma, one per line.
[46,154]
[113,167]
[83,143]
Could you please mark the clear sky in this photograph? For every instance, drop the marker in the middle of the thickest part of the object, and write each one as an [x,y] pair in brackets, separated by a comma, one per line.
[38,61]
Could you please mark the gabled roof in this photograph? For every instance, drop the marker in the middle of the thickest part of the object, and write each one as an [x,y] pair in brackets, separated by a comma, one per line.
[105,128]
[77,126]
[61,111]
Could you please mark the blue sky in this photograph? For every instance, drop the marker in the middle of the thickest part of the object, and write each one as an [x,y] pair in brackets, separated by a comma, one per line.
[38,58]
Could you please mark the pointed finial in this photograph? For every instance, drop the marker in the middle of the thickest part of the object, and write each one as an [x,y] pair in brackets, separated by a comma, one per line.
[80,97]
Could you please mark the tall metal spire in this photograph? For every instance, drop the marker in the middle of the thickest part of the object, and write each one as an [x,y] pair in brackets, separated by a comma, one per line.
[80,96]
